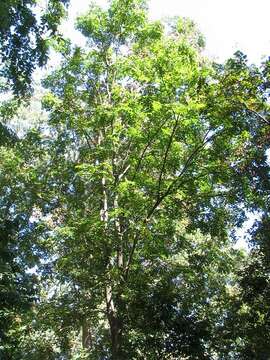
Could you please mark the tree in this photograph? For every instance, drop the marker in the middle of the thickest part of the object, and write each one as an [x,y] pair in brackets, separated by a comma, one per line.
[145,133]
[126,198]
[248,322]
[20,186]
[24,40]
[24,45]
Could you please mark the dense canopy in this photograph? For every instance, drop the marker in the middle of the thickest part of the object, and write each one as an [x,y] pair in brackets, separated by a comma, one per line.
[25,32]
[121,197]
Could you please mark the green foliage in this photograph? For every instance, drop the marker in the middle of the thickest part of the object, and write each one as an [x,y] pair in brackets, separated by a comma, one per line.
[149,134]
[24,39]
[127,195]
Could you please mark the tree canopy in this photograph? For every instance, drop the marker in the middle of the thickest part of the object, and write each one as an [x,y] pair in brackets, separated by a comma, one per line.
[25,30]
[119,207]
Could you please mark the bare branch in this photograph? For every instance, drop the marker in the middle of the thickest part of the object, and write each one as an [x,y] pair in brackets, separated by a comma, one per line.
[124,172]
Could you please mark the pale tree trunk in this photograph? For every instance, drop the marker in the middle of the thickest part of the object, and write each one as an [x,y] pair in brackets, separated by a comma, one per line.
[112,297]
[119,236]
[112,314]
[87,342]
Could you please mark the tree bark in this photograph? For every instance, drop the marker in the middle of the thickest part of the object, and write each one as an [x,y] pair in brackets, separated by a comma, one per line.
[115,326]
[86,335]
[119,236]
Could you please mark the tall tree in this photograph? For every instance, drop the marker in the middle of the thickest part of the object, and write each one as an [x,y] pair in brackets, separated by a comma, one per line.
[146,133]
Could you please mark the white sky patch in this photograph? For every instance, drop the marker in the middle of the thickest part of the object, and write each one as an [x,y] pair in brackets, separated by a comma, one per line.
[242,233]
[227,25]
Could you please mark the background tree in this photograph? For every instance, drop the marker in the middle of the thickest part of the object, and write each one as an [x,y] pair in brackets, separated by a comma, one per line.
[24,33]
[20,180]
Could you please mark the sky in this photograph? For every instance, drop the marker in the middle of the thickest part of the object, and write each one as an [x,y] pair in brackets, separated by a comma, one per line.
[228,25]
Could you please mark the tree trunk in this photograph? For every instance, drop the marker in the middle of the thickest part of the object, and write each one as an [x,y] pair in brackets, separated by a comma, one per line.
[116,335]
[119,235]
[86,336]
[115,326]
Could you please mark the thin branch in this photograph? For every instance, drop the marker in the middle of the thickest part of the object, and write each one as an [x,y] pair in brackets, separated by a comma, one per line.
[167,192]
[150,141]
[134,244]
[166,155]
[124,172]
[258,115]
[159,199]
[185,167]
[88,140]
[124,159]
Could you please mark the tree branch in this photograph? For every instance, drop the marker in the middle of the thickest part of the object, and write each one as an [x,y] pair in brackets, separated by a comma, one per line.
[166,155]
[185,167]
[257,114]
[159,199]
[150,141]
